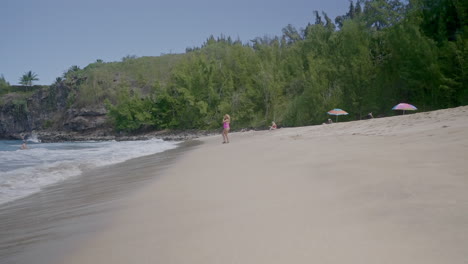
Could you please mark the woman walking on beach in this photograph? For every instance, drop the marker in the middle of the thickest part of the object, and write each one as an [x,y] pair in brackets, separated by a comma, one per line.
[226,127]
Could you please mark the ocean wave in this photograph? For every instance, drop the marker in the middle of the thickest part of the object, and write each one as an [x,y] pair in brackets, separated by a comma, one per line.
[24,172]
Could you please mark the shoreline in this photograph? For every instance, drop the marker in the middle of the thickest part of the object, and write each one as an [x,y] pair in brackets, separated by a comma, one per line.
[106,135]
[65,213]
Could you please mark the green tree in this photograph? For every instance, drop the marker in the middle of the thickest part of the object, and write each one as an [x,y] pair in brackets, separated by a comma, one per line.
[4,85]
[28,78]
[291,34]
[442,19]
[316,78]
[355,68]
[380,14]
[132,112]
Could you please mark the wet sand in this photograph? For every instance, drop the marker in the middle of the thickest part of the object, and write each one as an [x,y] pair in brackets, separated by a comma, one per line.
[44,227]
[389,190]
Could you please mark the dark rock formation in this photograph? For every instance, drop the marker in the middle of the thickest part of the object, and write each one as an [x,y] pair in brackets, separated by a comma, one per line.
[48,114]
[47,109]
[103,134]
[85,119]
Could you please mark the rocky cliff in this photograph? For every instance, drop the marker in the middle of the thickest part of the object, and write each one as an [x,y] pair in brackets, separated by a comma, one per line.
[48,109]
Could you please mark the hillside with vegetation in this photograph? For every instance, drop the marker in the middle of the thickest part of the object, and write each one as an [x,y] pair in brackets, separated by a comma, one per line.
[378,54]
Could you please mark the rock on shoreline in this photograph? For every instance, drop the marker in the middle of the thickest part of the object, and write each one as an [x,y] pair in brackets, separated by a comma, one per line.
[106,135]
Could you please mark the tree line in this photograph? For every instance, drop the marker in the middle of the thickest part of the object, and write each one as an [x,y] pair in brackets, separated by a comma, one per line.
[378,54]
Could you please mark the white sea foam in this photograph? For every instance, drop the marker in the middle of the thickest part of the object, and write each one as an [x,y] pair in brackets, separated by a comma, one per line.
[34,138]
[23,172]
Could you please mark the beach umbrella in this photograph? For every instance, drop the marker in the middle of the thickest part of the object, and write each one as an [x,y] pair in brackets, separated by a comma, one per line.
[404,107]
[337,112]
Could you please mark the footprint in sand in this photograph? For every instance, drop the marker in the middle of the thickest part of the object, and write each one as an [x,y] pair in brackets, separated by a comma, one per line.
[296,137]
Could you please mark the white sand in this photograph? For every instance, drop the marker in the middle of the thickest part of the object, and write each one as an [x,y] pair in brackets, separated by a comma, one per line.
[389,190]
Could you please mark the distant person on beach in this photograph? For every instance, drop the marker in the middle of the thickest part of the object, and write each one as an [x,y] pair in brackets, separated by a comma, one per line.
[23,146]
[273,126]
[226,127]
[369,116]
[329,121]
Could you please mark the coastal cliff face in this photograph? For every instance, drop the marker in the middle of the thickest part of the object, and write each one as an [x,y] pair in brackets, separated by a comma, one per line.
[49,114]
[47,110]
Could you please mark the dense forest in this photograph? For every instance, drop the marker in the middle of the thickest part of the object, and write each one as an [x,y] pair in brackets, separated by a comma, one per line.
[378,54]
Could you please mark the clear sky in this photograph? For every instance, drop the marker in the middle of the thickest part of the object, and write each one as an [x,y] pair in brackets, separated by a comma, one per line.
[49,36]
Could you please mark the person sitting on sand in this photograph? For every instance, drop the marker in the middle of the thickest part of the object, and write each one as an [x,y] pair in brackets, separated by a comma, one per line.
[329,121]
[273,126]
[226,127]
[369,116]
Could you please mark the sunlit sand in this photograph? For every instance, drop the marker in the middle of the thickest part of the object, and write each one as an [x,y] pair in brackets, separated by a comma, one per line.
[388,190]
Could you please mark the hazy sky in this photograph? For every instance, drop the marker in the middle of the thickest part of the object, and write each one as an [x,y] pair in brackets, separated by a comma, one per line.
[49,36]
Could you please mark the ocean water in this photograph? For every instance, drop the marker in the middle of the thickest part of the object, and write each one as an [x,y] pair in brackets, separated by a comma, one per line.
[24,172]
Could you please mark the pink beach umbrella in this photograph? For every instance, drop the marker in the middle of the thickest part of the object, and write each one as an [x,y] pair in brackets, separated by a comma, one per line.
[404,107]
[337,112]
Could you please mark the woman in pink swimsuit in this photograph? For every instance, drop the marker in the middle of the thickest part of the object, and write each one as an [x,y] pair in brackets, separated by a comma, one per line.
[226,127]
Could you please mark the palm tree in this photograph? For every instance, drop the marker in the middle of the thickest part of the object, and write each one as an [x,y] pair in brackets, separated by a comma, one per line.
[28,78]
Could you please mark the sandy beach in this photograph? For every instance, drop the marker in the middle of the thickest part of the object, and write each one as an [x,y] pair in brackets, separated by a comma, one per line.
[385,190]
